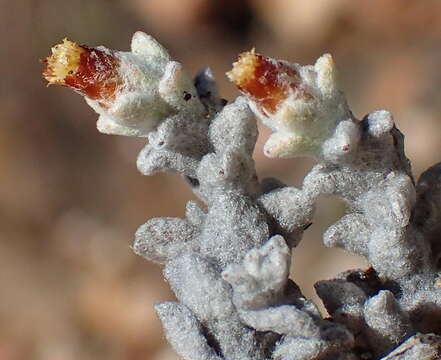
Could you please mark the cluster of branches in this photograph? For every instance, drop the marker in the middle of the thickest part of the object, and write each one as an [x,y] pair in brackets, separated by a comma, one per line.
[228,260]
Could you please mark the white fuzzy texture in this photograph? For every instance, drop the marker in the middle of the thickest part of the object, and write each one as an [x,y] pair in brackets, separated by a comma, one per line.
[302,123]
[228,261]
[153,88]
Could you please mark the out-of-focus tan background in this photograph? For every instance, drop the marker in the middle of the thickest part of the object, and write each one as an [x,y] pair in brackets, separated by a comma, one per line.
[71,198]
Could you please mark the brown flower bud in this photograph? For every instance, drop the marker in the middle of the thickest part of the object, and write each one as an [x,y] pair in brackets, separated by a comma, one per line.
[266,81]
[91,72]
[131,91]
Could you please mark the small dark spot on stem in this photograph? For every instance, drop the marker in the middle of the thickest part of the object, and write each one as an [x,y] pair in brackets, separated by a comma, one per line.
[187,96]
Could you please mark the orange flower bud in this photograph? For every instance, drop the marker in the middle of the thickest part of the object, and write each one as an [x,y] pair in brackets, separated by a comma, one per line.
[301,104]
[131,91]
[266,81]
[90,71]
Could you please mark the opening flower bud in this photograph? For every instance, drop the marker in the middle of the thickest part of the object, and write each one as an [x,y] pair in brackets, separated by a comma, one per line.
[92,72]
[132,91]
[301,104]
[266,81]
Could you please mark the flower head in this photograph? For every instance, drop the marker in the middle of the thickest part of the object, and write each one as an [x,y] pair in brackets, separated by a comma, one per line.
[301,104]
[90,71]
[266,81]
[132,91]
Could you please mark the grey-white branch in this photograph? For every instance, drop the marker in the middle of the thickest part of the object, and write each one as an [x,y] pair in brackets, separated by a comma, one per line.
[228,260]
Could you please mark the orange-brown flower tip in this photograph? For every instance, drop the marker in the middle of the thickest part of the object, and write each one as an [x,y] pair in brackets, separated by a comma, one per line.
[266,81]
[65,60]
[91,72]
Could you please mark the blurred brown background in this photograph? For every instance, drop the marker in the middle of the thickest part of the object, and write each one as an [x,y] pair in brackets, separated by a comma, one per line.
[71,198]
